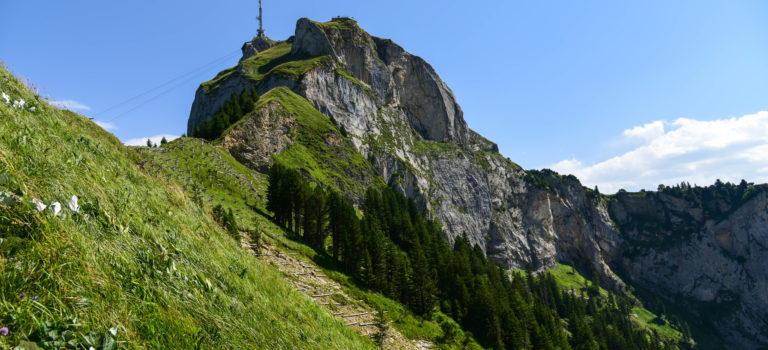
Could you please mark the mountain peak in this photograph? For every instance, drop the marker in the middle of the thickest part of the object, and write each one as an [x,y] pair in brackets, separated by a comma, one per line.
[310,39]
[253,47]
[353,111]
[380,72]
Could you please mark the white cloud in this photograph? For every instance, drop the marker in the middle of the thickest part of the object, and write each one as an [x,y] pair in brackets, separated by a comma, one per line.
[69,104]
[142,141]
[106,125]
[646,132]
[689,150]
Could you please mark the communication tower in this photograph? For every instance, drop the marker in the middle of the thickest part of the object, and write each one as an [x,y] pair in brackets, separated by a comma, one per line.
[261,24]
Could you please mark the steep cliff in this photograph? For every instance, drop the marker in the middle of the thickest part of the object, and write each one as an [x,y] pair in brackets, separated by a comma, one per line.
[709,257]
[392,109]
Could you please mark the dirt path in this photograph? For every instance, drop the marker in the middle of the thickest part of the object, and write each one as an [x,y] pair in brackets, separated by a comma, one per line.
[310,280]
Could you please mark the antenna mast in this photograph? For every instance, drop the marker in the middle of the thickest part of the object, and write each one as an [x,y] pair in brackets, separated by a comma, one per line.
[261,27]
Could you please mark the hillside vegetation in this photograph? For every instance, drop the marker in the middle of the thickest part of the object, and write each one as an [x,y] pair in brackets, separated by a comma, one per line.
[138,264]
[396,251]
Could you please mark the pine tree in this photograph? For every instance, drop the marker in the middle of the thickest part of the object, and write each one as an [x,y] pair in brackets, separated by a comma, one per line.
[422,286]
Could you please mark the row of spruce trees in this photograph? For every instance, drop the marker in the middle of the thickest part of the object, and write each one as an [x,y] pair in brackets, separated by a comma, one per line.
[396,251]
[233,110]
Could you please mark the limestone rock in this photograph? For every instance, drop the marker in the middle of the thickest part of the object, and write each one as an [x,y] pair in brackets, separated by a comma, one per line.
[266,132]
[258,44]
[403,118]
[721,264]
[310,40]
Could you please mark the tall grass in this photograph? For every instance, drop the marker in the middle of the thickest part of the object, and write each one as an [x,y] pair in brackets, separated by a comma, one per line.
[141,259]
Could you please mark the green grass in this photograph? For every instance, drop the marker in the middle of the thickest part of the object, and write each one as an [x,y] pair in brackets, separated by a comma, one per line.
[146,258]
[276,60]
[406,322]
[211,173]
[646,319]
[193,154]
[320,149]
[570,279]
[339,24]
[218,79]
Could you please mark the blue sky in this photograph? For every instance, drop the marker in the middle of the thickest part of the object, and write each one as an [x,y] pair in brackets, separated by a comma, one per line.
[622,94]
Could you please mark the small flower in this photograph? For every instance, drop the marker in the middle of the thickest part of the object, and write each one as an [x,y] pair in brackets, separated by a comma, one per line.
[73,206]
[32,109]
[19,104]
[113,331]
[21,295]
[56,207]
[6,98]
[39,205]
[4,331]
[34,297]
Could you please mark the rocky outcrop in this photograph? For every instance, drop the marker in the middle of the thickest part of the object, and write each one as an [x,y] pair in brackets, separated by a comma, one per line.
[405,121]
[310,40]
[210,97]
[380,93]
[401,116]
[253,47]
[390,75]
[714,267]
[265,133]
[206,104]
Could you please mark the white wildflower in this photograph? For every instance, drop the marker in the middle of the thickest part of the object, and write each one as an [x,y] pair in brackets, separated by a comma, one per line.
[39,205]
[73,205]
[113,331]
[56,207]
[19,104]
[6,98]
[32,109]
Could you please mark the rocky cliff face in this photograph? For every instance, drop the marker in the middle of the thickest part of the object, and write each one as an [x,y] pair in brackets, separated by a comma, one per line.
[405,121]
[714,267]
[253,47]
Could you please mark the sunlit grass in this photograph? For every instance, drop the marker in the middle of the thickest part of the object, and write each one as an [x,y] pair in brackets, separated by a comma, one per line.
[141,256]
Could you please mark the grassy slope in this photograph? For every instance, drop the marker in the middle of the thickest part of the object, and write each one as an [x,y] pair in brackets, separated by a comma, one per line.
[276,60]
[406,322]
[319,147]
[146,259]
[200,156]
[570,280]
[211,172]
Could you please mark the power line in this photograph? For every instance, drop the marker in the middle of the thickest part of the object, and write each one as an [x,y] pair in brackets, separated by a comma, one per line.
[142,104]
[193,73]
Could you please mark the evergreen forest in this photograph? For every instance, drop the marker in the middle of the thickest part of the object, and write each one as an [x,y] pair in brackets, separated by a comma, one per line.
[393,249]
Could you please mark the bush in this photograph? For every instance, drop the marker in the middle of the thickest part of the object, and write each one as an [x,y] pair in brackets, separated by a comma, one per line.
[226,219]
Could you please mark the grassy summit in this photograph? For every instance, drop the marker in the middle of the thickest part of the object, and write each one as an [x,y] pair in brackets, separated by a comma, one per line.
[141,265]
[276,60]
